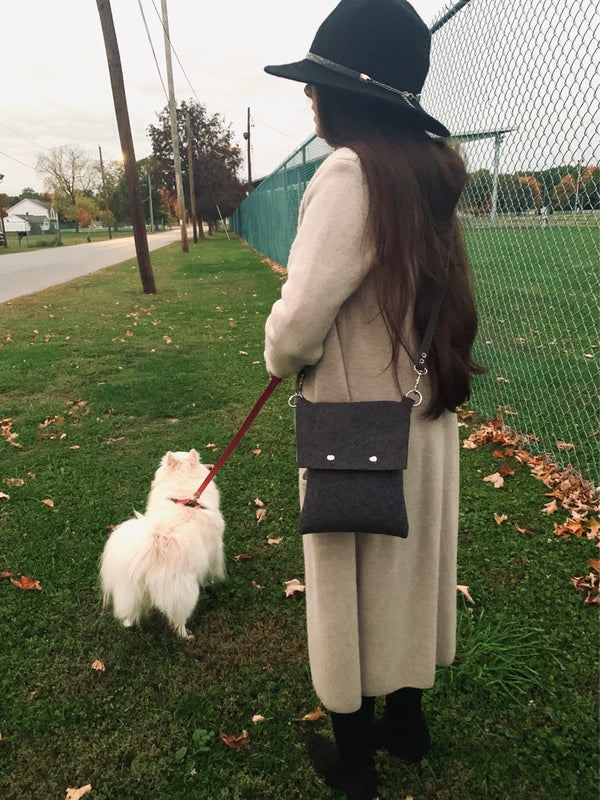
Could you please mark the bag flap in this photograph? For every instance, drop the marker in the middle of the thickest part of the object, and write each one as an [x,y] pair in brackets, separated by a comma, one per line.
[352,436]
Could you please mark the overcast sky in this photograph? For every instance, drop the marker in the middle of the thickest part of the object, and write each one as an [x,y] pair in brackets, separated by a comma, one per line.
[55,87]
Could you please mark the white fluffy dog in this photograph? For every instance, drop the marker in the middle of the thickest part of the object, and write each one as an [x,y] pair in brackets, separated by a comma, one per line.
[160,560]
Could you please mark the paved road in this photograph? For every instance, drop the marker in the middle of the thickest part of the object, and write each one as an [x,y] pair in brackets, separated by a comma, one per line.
[24,273]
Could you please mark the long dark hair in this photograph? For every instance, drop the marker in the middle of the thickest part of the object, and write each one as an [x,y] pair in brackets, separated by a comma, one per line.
[414,184]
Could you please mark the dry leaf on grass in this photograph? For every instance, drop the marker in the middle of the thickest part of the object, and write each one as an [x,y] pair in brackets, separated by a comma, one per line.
[236,742]
[293,587]
[75,794]
[550,508]
[4,496]
[258,502]
[98,666]
[500,518]
[256,585]
[258,718]
[261,513]
[242,557]
[21,581]
[275,540]
[525,531]
[464,590]
[495,479]
[49,503]
[318,713]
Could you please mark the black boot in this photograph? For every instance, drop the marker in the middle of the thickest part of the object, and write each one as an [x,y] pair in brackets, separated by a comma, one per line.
[403,730]
[347,765]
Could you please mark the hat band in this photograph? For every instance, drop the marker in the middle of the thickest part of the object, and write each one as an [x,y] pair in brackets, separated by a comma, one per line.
[411,99]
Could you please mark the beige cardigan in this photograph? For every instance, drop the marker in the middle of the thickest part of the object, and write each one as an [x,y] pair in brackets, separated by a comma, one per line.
[381,611]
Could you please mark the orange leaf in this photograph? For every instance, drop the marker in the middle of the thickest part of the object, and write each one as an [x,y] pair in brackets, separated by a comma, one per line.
[504,470]
[258,718]
[98,666]
[49,503]
[261,513]
[258,502]
[4,496]
[594,563]
[26,583]
[236,742]
[565,446]
[275,540]
[257,452]
[500,518]
[318,713]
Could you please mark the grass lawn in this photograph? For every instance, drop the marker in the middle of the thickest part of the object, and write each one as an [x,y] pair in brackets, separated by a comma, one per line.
[97,381]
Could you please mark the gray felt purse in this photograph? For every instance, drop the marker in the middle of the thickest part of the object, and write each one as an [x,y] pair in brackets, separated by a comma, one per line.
[355,455]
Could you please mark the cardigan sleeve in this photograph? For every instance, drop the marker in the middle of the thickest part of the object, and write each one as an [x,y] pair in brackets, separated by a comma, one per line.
[327,264]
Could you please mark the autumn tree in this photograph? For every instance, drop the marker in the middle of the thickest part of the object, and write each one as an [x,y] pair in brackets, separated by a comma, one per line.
[66,170]
[216,159]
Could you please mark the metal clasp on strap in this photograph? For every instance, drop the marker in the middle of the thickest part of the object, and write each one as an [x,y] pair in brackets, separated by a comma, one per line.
[414,393]
[293,399]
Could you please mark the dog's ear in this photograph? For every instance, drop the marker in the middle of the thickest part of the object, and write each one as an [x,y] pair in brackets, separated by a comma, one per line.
[169,460]
[194,457]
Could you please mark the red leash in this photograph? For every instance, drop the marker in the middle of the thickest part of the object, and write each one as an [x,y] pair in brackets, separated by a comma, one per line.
[274,382]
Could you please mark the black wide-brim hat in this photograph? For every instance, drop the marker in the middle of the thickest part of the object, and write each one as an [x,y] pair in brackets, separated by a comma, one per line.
[376,48]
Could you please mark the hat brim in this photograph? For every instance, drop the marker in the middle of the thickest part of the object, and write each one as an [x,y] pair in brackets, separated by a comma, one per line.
[307,71]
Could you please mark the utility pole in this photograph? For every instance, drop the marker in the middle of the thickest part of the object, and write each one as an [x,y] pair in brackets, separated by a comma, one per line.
[247,138]
[105,193]
[191,177]
[131,173]
[174,129]
[150,202]
[2,230]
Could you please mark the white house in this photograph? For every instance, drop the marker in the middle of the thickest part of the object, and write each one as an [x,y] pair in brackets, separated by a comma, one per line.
[27,213]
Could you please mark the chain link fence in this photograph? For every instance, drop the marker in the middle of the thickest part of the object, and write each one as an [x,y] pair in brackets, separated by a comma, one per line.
[518,84]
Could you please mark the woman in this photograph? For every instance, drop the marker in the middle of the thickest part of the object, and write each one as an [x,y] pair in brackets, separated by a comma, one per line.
[377,242]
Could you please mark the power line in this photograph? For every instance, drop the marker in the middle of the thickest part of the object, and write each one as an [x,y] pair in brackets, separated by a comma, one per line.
[20,135]
[17,160]
[153,51]
[262,122]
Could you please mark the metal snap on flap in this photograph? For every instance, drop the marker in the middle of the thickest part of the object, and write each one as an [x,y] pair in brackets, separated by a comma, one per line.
[373,458]
[330,458]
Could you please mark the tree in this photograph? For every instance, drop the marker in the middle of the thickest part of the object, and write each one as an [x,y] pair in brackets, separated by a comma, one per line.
[216,159]
[66,170]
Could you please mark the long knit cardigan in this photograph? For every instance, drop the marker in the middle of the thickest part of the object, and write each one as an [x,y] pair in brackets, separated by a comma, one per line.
[381,611]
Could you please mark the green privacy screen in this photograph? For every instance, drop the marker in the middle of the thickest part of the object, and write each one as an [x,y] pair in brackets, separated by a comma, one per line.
[268,217]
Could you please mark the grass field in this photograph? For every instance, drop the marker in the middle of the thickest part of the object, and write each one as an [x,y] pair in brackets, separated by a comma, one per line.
[537,295]
[97,381]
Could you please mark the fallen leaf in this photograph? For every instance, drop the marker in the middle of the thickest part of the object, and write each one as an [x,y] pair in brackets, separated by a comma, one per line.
[236,742]
[292,587]
[550,508]
[500,518]
[98,666]
[49,503]
[258,502]
[242,557]
[261,513]
[256,585]
[257,452]
[275,540]
[565,446]
[4,496]
[258,718]
[13,482]
[25,583]
[523,530]
[594,563]
[496,480]
[75,794]
[318,713]
[504,470]
[464,590]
